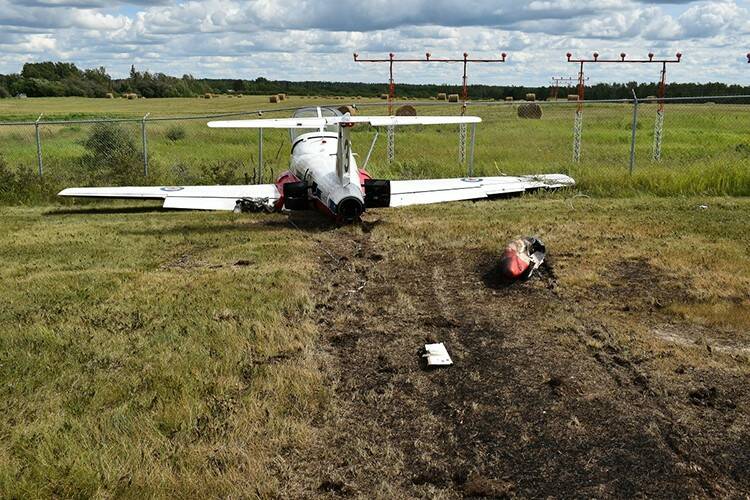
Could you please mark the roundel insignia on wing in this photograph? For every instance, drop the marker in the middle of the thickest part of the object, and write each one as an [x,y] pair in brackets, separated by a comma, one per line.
[172,188]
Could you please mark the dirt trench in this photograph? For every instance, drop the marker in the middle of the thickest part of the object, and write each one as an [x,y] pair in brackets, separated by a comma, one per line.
[552,393]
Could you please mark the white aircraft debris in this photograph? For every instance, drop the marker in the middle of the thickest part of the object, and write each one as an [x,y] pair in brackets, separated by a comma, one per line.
[437,355]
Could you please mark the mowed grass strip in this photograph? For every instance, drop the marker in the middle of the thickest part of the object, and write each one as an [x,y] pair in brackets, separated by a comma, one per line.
[151,353]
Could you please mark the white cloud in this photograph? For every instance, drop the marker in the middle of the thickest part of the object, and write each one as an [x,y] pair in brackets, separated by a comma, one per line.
[306,39]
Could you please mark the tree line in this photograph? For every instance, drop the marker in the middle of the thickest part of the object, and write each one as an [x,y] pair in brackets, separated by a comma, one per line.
[61,79]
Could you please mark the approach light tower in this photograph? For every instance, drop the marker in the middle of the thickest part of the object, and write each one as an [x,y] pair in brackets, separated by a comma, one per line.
[658,125]
[391,60]
[557,80]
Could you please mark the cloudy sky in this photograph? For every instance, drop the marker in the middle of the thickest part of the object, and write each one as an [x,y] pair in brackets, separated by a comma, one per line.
[308,39]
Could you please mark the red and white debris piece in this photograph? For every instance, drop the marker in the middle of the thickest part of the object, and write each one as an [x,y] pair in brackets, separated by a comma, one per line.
[521,257]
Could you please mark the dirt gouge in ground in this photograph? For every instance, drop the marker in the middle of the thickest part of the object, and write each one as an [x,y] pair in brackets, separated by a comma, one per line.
[586,381]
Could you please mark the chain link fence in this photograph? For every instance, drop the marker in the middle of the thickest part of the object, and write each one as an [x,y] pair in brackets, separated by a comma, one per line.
[696,145]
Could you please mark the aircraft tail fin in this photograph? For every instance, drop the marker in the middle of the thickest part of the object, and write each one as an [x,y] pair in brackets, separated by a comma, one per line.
[344,153]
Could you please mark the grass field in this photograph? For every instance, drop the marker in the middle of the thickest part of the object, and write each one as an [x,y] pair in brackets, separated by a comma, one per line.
[150,353]
[705,146]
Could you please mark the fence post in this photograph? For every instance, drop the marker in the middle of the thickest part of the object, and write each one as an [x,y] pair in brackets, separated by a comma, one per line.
[462,139]
[632,136]
[260,156]
[658,132]
[145,144]
[577,129]
[471,149]
[462,143]
[39,146]
[391,148]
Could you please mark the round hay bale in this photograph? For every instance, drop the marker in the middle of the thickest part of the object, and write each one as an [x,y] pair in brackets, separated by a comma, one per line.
[110,95]
[281,97]
[406,110]
[442,96]
[348,109]
[531,97]
[273,99]
[239,95]
[572,97]
[207,96]
[384,96]
[509,98]
[132,96]
[530,111]
[452,97]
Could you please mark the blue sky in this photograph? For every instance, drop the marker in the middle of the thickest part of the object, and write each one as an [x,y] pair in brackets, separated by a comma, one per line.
[306,39]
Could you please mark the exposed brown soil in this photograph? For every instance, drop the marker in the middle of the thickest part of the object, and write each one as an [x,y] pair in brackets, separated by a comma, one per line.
[553,392]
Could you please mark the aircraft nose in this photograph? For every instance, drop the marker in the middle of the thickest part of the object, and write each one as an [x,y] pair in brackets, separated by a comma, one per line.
[350,209]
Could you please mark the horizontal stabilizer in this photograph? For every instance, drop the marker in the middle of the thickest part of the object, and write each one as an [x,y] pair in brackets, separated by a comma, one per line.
[375,121]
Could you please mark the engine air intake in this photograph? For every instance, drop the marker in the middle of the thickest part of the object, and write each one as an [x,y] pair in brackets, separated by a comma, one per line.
[377,193]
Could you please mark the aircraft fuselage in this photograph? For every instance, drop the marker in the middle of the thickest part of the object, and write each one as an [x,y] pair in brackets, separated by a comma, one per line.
[314,163]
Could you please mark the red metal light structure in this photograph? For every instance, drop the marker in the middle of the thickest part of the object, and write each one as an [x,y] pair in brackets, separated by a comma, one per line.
[465,60]
[650,60]
[557,80]
[623,60]
[428,58]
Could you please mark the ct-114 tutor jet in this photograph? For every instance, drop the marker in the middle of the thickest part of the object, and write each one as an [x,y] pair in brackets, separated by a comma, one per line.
[323,174]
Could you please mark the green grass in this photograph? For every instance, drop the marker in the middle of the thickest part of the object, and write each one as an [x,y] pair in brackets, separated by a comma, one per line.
[139,360]
[705,147]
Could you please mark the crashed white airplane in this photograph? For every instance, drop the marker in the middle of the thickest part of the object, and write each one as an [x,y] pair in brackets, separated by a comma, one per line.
[323,174]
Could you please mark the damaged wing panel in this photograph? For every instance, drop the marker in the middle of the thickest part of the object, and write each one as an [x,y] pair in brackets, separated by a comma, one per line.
[186,197]
[422,192]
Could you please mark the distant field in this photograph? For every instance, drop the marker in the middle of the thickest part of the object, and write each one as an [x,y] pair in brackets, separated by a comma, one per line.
[81,107]
[705,146]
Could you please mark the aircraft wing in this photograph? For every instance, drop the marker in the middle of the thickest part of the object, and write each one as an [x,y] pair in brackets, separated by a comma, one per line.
[423,192]
[375,121]
[187,197]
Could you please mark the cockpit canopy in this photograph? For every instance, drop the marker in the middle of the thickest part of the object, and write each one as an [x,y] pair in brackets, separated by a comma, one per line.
[317,112]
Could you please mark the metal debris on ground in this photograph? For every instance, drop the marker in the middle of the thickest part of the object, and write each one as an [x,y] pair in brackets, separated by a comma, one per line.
[436,355]
[521,257]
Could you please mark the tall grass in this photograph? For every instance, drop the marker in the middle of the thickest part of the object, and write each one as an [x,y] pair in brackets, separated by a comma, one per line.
[705,150]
